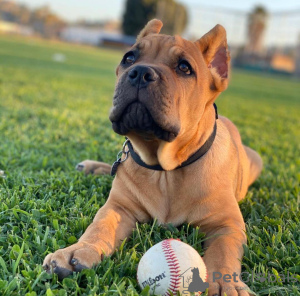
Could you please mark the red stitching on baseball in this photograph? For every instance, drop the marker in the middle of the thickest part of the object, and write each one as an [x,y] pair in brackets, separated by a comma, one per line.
[173,264]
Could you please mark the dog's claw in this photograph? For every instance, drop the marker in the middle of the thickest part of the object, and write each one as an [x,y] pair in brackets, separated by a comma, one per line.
[62,272]
[80,167]
[78,267]
[74,261]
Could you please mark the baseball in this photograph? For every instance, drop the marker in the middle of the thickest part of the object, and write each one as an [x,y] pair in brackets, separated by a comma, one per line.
[172,266]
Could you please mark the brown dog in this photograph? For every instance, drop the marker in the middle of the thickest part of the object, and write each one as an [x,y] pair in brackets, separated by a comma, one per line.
[163,103]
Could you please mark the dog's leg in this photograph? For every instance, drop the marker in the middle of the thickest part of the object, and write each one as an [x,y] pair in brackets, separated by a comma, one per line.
[225,232]
[256,164]
[94,167]
[112,224]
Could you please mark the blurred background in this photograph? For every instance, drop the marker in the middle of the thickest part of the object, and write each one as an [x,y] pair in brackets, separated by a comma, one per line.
[262,36]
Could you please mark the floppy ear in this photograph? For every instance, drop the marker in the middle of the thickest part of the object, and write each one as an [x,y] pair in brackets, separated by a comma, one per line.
[213,46]
[153,27]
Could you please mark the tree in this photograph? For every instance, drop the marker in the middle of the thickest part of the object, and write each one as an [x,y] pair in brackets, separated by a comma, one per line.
[46,22]
[139,12]
[42,19]
[173,15]
[257,23]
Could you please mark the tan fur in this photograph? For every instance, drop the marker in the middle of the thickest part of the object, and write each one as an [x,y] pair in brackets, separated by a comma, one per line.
[153,27]
[218,38]
[204,193]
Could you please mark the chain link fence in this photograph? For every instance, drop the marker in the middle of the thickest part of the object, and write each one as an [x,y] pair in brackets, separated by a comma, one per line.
[282,28]
[280,46]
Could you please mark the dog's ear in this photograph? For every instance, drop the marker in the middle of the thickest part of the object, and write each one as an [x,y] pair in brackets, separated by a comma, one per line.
[213,46]
[153,27]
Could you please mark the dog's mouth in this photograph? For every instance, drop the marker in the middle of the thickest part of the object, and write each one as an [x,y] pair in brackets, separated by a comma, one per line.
[136,117]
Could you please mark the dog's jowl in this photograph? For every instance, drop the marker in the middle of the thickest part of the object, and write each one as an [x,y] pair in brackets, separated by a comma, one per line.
[185,164]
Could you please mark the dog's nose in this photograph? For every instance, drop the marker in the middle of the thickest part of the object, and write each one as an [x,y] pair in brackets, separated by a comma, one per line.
[141,76]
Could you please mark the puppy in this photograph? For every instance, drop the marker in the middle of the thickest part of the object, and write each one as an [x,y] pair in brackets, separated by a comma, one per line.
[181,163]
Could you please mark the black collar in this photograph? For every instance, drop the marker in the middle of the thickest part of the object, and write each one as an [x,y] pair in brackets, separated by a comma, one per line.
[198,154]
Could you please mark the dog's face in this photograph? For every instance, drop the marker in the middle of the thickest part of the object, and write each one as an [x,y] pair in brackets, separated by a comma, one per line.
[165,83]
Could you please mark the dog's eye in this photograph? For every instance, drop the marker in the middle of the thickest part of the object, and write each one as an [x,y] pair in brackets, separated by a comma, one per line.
[185,67]
[129,58]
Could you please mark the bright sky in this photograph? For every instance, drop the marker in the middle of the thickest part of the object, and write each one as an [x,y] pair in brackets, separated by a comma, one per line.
[107,9]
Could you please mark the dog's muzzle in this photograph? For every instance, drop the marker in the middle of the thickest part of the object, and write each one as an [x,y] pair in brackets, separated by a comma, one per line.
[136,117]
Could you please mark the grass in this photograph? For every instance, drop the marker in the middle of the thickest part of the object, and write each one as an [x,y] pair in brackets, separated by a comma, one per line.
[53,115]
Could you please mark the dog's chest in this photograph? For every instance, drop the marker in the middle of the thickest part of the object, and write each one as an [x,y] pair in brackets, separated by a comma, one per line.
[169,197]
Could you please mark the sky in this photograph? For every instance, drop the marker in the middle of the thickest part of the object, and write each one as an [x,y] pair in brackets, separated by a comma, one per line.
[112,9]
[203,15]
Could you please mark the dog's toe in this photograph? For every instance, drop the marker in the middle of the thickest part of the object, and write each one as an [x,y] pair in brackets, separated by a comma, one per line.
[77,266]
[53,264]
[80,167]
[71,259]
[93,167]
[214,289]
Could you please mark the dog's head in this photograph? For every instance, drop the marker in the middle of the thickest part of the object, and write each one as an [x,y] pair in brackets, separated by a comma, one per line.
[165,84]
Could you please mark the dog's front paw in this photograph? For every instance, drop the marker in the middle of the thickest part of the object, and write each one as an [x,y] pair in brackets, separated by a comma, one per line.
[74,258]
[221,288]
[94,167]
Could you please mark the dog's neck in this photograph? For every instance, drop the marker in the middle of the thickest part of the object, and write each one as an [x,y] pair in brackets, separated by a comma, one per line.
[172,155]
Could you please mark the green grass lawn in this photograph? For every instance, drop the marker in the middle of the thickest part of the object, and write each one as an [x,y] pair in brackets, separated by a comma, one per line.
[53,115]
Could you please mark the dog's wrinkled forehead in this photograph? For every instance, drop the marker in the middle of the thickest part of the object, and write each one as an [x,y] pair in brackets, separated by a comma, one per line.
[164,48]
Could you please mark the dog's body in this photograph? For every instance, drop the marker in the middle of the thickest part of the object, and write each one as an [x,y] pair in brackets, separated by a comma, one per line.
[179,120]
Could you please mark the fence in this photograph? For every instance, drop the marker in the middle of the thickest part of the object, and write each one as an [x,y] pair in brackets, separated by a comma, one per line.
[282,30]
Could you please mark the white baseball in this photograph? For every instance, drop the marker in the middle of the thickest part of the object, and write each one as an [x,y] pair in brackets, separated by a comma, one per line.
[172,265]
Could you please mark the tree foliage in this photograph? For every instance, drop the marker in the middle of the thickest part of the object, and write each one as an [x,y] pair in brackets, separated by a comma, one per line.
[42,19]
[139,12]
